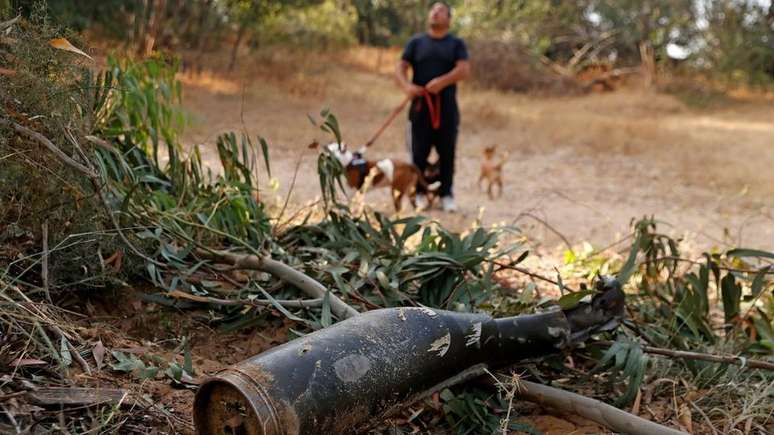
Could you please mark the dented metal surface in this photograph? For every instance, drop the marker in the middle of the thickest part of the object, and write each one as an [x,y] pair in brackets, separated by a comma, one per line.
[334,380]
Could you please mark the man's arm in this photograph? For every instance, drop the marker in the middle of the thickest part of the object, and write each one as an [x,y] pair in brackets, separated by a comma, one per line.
[460,72]
[401,76]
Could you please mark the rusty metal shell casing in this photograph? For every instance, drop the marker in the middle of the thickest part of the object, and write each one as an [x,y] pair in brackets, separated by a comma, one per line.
[334,379]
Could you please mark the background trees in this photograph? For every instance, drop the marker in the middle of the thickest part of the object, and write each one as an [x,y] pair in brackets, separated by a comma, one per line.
[729,40]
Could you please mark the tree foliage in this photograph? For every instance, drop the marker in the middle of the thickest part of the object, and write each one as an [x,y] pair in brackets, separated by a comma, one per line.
[729,39]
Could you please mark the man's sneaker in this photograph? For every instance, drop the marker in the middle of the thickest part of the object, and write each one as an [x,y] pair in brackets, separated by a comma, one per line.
[447,202]
[421,201]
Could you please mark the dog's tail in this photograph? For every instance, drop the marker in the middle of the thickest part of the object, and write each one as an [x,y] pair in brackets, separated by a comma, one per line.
[422,182]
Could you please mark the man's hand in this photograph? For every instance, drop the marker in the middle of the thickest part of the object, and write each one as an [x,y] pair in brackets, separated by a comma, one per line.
[413,90]
[435,85]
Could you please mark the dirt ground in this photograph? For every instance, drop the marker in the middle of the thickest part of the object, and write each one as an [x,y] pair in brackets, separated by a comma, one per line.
[586,166]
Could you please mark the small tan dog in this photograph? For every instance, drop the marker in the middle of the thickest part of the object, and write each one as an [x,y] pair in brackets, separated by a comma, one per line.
[492,171]
[401,177]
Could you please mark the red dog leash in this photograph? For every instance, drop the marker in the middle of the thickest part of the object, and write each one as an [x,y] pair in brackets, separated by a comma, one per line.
[433,106]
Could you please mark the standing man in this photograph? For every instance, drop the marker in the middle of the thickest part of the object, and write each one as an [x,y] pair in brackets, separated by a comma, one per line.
[438,61]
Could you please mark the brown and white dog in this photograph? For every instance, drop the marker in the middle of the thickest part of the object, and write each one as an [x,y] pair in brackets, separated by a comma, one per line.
[492,171]
[401,177]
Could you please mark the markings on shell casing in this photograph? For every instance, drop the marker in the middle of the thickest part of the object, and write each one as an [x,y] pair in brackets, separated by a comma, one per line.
[475,336]
[352,367]
[556,331]
[427,311]
[441,345]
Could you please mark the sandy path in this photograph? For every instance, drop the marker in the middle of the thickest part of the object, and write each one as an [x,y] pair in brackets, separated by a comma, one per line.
[586,165]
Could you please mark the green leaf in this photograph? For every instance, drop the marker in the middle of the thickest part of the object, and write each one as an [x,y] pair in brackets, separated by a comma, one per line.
[64,351]
[628,268]
[744,252]
[127,363]
[732,296]
[175,372]
[521,258]
[383,281]
[759,281]
[326,318]
[265,151]
[187,357]
[571,300]
[280,308]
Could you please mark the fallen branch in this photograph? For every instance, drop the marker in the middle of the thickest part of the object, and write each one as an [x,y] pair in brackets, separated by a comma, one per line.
[530,274]
[549,227]
[592,409]
[294,303]
[6,24]
[725,359]
[285,273]
[74,396]
[44,261]
[73,351]
[50,145]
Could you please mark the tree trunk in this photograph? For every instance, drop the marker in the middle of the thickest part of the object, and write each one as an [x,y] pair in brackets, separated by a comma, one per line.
[237,43]
[648,64]
[152,26]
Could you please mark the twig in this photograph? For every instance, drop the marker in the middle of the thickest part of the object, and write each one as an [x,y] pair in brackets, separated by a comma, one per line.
[73,351]
[696,262]
[464,376]
[704,415]
[6,24]
[77,357]
[531,274]
[291,303]
[725,359]
[284,272]
[550,228]
[44,261]
[4,397]
[102,143]
[592,409]
[290,190]
[510,393]
[50,145]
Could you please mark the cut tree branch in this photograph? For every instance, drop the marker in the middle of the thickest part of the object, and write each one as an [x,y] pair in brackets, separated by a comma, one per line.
[50,145]
[725,359]
[592,409]
[290,303]
[284,272]
[6,24]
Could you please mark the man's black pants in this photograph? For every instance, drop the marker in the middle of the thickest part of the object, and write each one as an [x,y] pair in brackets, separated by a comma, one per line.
[423,138]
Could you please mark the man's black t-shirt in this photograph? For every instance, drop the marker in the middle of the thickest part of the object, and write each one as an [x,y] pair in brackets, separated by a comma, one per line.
[429,58]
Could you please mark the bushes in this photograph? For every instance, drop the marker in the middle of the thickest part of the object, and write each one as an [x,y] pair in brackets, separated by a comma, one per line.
[509,67]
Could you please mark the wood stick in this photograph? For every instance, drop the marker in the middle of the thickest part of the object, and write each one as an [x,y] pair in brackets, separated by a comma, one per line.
[530,274]
[6,24]
[592,409]
[725,359]
[288,303]
[73,351]
[50,145]
[284,272]
[44,261]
